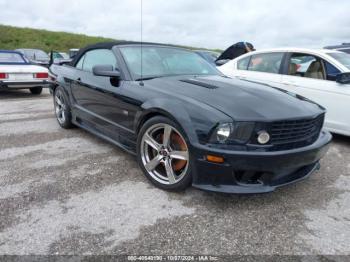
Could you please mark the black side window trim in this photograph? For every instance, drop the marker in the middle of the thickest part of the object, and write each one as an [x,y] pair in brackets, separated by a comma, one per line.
[285,63]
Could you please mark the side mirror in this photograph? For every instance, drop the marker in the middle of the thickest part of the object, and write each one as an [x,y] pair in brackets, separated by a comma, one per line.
[221,62]
[343,78]
[105,70]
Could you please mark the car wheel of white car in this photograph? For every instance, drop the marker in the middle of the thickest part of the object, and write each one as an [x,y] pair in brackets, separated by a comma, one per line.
[36,90]
[62,109]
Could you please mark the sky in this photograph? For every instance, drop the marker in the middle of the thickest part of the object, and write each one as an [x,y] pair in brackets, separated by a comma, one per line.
[200,23]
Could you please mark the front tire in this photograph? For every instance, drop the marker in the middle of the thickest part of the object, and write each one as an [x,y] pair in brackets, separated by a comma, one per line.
[62,108]
[163,154]
[36,90]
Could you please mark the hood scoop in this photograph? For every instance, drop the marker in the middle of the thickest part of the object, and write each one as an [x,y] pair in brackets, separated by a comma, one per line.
[199,83]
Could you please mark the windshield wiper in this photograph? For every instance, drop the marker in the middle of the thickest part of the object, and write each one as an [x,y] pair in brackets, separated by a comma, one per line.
[153,77]
[147,78]
[169,75]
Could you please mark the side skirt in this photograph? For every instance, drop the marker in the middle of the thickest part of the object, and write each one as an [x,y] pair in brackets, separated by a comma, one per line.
[118,140]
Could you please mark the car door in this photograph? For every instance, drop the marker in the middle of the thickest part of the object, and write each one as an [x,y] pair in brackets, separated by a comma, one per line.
[314,78]
[261,67]
[99,99]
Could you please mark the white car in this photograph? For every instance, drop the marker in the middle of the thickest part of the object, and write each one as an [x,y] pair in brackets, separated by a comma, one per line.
[17,73]
[320,75]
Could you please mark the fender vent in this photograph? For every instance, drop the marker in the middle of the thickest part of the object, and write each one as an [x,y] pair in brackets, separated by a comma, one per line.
[199,83]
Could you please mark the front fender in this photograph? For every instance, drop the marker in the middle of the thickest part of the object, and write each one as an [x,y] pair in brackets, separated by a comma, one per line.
[196,119]
[170,109]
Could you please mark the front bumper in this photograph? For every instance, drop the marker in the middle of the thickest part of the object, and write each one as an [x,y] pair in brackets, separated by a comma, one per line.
[256,172]
[23,84]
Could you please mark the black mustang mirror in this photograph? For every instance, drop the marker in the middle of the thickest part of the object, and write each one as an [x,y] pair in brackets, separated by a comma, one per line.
[343,78]
[105,70]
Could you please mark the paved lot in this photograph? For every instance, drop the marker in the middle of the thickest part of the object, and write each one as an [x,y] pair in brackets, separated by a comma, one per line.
[67,192]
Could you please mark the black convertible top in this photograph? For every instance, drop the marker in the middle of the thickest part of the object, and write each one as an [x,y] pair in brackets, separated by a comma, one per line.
[110,45]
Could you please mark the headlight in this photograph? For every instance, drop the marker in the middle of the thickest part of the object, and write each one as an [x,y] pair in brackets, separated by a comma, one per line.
[223,132]
[237,133]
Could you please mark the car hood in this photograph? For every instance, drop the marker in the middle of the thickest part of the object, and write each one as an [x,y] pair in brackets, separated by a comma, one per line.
[239,99]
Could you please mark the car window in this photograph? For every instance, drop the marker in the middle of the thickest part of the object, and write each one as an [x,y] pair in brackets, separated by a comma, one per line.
[64,55]
[36,54]
[243,63]
[98,57]
[79,65]
[56,55]
[345,50]
[268,63]
[11,58]
[306,65]
[342,58]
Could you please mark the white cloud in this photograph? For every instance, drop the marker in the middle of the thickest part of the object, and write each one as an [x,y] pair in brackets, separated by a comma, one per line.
[205,23]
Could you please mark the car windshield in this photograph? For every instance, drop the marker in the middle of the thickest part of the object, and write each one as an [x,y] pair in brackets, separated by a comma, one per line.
[342,58]
[210,56]
[11,58]
[57,55]
[36,55]
[64,55]
[165,61]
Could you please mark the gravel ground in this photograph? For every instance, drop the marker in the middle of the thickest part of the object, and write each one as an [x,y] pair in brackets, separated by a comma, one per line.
[68,192]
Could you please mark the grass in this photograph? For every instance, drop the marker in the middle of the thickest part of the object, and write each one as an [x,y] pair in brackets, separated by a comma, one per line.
[16,37]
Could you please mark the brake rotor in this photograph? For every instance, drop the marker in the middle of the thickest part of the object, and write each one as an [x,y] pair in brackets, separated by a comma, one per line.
[177,144]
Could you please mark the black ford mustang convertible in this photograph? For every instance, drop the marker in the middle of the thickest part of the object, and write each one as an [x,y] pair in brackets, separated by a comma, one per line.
[186,123]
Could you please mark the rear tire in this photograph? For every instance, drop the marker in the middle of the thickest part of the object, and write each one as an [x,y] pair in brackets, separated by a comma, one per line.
[164,155]
[62,108]
[36,90]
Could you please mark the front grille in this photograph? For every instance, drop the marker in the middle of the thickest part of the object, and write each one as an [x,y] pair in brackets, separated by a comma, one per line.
[295,133]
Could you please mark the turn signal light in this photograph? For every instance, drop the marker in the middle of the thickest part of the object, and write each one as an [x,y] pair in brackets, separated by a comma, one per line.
[3,76]
[215,159]
[41,75]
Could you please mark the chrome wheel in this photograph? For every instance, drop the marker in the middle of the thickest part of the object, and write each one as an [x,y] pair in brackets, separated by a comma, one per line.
[164,154]
[60,107]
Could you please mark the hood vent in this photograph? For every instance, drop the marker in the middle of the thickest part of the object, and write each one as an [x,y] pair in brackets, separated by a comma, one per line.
[199,83]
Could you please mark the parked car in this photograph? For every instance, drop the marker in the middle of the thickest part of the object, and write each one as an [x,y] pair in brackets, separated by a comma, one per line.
[186,122]
[59,55]
[345,47]
[17,73]
[210,56]
[59,58]
[73,52]
[320,75]
[36,56]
